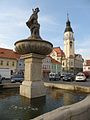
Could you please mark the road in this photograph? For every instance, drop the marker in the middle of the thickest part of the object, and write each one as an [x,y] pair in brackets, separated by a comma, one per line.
[86,83]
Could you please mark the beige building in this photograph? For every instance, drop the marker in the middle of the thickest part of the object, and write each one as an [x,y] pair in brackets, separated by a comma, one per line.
[8,61]
[71,62]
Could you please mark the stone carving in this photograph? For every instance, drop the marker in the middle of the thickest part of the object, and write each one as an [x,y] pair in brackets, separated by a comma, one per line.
[33,24]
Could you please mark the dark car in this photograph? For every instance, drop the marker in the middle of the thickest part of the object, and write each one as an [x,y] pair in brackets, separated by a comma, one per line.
[17,78]
[54,76]
[68,77]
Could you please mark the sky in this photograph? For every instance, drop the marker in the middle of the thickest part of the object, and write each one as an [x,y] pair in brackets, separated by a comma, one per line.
[52,18]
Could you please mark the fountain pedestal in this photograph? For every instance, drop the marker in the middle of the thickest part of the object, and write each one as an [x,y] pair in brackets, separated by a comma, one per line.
[33,86]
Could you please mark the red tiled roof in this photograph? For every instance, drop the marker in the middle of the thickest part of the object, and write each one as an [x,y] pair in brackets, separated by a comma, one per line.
[59,51]
[8,53]
[54,61]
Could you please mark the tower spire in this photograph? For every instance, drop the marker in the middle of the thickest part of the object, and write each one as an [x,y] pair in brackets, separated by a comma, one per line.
[67,16]
[68,26]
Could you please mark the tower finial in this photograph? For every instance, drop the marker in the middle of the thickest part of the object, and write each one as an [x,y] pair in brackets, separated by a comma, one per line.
[67,16]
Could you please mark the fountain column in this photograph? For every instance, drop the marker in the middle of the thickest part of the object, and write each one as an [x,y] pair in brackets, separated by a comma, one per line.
[33,85]
[33,49]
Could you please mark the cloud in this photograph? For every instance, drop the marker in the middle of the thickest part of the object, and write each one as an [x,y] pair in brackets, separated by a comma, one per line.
[5,44]
[83,47]
[48,19]
[48,23]
[84,52]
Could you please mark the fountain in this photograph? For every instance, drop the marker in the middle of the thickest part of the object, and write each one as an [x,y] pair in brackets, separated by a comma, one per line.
[33,49]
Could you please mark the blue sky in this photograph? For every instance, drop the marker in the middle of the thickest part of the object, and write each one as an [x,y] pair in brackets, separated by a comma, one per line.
[52,18]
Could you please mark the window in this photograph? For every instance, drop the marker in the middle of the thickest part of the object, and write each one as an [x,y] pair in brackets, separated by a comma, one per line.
[1,62]
[53,54]
[71,63]
[7,63]
[49,66]
[12,63]
[70,43]
[57,58]
[19,64]
[89,68]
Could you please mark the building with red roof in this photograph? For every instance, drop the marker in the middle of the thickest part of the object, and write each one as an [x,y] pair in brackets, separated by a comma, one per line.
[8,60]
[86,67]
[8,53]
[57,54]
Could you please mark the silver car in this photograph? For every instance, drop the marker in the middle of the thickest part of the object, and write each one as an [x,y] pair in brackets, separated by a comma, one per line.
[17,78]
[80,77]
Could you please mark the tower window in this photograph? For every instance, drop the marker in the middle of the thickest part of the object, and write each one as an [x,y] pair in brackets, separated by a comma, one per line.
[70,43]
[71,63]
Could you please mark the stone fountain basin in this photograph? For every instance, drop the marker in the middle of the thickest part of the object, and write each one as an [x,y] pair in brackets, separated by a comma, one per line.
[37,46]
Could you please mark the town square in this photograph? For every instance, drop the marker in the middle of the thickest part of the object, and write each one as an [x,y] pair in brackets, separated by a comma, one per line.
[44,60]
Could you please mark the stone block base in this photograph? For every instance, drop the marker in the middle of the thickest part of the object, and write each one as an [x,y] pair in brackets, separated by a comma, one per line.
[31,89]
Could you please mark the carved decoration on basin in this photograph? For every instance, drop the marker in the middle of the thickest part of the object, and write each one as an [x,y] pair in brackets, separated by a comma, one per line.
[35,46]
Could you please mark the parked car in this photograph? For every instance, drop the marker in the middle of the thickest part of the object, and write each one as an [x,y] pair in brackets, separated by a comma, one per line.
[62,75]
[68,77]
[80,77]
[54,76]
[17,78]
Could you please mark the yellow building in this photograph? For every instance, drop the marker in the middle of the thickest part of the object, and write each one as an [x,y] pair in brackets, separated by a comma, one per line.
[8,62]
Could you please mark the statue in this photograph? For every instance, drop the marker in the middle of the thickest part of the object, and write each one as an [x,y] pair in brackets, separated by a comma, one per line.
[33,24]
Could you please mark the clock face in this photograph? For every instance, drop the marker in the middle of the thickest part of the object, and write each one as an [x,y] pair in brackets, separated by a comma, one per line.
[71,36]
[66,37]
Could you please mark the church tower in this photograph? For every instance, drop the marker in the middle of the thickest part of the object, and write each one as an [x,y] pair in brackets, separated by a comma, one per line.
[69,46]
[68,40]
